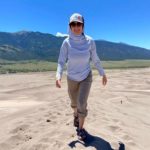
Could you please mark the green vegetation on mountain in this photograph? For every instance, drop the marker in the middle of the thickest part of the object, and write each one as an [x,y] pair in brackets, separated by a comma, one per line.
[41,46]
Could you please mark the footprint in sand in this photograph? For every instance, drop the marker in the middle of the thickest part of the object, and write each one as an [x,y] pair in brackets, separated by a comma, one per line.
[18,139]
[126,137]
[48,114]
[118,122]
[131,143]
[20,128]
[114,128]
[45,140]
[57,144]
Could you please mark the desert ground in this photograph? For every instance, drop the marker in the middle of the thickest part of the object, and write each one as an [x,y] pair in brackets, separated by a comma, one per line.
[35,115]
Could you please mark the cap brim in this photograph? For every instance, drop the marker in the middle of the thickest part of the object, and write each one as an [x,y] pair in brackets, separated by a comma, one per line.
[75,21]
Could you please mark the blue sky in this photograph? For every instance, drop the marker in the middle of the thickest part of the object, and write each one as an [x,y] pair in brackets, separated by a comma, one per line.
[126,21]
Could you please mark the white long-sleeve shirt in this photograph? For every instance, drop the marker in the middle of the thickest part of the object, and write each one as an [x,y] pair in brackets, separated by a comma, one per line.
[77,51]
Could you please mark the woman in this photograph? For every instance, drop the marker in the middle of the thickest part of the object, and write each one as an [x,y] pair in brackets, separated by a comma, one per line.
[78,50]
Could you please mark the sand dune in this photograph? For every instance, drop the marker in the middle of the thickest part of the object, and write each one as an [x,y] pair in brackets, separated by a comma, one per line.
[35,115]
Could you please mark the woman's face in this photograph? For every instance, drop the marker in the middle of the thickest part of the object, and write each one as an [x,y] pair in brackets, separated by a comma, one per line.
[76,27]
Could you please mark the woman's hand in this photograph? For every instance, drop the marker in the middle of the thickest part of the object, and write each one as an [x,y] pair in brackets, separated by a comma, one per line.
[58,83]
[104,80]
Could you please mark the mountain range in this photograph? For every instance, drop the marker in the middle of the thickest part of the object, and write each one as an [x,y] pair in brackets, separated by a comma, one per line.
[25,45]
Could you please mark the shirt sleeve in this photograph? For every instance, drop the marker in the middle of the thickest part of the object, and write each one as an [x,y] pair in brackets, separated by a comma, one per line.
[61,60]
[95,59]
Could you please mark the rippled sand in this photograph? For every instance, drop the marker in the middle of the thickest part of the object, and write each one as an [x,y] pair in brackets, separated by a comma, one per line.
[35,115]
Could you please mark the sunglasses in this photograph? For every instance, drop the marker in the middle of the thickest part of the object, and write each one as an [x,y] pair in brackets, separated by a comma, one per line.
[78,24]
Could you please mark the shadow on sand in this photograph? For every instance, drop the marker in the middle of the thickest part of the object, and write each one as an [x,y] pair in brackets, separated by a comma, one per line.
[96,142]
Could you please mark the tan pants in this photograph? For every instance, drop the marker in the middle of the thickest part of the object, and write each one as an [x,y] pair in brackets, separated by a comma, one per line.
[78,93]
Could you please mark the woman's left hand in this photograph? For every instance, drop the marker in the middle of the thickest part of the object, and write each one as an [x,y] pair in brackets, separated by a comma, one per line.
[104,80]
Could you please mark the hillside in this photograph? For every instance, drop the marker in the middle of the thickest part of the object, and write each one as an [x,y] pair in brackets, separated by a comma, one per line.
[41,46]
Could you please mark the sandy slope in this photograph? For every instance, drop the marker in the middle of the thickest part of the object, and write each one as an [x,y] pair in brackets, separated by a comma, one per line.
[35,115]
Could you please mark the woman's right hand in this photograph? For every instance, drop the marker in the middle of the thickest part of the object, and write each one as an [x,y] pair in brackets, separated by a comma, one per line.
[58,83]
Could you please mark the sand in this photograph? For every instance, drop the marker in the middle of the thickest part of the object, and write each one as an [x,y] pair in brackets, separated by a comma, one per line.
[35,115]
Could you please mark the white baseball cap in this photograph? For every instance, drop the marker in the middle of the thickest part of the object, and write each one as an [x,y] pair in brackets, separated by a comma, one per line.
[76,17]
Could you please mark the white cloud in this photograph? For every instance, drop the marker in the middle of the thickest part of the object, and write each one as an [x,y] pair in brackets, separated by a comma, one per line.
[61,34]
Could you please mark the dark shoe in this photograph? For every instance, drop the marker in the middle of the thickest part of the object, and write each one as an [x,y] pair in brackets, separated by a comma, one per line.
[82,134]
[76,121]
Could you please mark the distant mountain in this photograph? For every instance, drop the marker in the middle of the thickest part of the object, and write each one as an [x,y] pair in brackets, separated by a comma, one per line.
[120,51]
[26,45]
